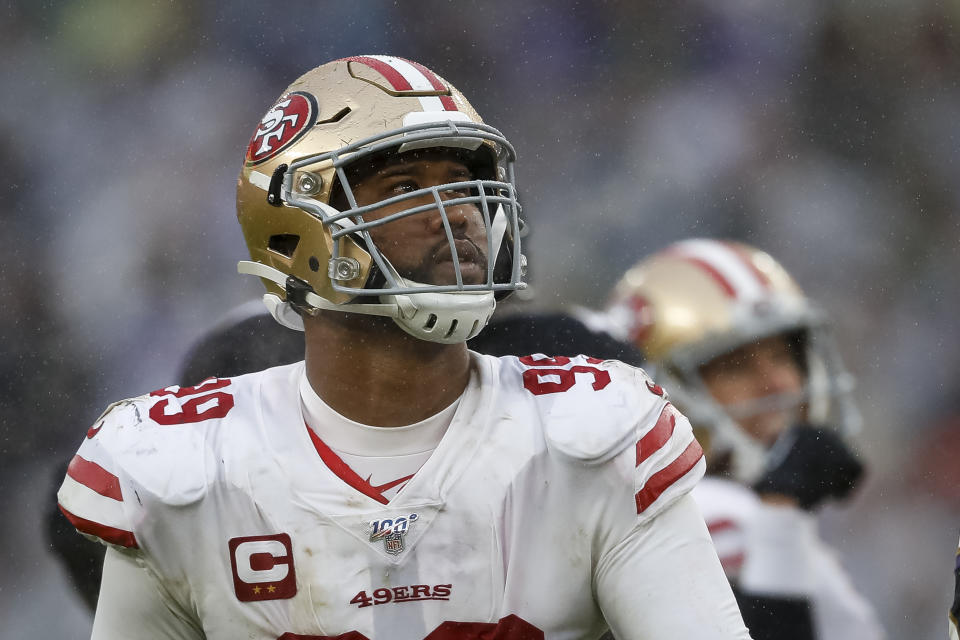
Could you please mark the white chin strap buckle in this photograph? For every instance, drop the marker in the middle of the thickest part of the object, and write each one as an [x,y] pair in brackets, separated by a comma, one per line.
[282,312]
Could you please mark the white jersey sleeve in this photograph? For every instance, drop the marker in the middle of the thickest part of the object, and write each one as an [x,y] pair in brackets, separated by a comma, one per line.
[670,563]
[94,495]
[139,449]
[633,423]
[772,550]
[657,574]
[134,606]
[136,455]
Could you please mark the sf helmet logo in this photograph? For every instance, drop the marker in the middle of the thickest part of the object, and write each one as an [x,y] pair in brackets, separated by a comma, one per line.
[262,567]
[285,123]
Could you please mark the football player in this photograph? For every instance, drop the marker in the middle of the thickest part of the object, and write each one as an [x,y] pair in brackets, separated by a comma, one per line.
[395,484]
[747,356]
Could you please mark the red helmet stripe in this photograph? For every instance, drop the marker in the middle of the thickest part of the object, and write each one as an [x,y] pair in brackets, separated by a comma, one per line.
[725,284]
[745,259]
[394,77]
[407,75]
[429,75]
[732,269]
[446,101]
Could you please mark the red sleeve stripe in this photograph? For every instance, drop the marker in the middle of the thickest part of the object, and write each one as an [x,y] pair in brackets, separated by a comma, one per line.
[663,479]
[102,531]
[721,525]
[733,563]
[93,476]
[651,442]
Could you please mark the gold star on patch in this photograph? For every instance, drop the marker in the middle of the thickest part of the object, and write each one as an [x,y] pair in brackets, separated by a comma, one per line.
[256,589]
[271,588]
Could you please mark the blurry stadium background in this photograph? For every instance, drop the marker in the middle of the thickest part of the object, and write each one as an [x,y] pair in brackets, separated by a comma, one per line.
[824,131]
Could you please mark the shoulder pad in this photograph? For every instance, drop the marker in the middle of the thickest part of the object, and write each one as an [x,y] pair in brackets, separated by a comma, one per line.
[159,441]
[95,495]
[590,408]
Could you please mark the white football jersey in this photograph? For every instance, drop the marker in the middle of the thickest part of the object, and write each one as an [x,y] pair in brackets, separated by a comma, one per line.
[515,527]
[777,551]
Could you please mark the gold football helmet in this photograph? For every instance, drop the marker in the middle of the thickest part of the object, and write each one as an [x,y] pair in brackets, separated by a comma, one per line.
[701,298]
[311,255]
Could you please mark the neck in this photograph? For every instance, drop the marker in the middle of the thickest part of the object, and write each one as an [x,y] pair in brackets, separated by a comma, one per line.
[369,370]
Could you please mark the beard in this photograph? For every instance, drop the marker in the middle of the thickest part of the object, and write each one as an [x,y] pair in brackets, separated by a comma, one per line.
[437,266]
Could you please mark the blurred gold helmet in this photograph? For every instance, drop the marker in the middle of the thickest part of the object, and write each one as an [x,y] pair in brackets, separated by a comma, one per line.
[311,255]
[702,298]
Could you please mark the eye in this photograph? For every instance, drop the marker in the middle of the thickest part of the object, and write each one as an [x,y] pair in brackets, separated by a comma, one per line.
[405,185]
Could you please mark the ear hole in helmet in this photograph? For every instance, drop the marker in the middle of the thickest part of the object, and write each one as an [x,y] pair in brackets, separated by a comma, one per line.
[337,117]
[284,244]
[431,321]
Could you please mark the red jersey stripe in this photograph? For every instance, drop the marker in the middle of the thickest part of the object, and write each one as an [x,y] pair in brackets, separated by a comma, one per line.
[658,436]
[109,534]
[342,470]
[394,77]
[661,480]
[386,486]
[93,476]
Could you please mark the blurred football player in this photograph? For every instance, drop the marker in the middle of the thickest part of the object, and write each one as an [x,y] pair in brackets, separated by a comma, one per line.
[747,356]
[395,484]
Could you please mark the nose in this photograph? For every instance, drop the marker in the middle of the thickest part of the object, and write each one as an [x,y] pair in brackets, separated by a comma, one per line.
[777,376]
[459,216]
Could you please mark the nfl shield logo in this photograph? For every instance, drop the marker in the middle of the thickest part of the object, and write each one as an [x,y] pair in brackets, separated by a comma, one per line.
[393,543]
[391,531]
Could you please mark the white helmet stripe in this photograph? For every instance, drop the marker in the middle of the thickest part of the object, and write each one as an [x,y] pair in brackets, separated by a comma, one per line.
[725,262]
[419,81]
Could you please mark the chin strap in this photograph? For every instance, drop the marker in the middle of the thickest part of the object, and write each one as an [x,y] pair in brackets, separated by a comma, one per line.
[284,313]
[435,317]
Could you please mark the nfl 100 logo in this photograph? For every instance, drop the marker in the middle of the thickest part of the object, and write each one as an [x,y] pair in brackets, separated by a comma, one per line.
[391,531]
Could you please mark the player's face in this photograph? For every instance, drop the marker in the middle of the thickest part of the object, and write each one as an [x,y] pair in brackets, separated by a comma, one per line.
[417,245]
[766,371]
